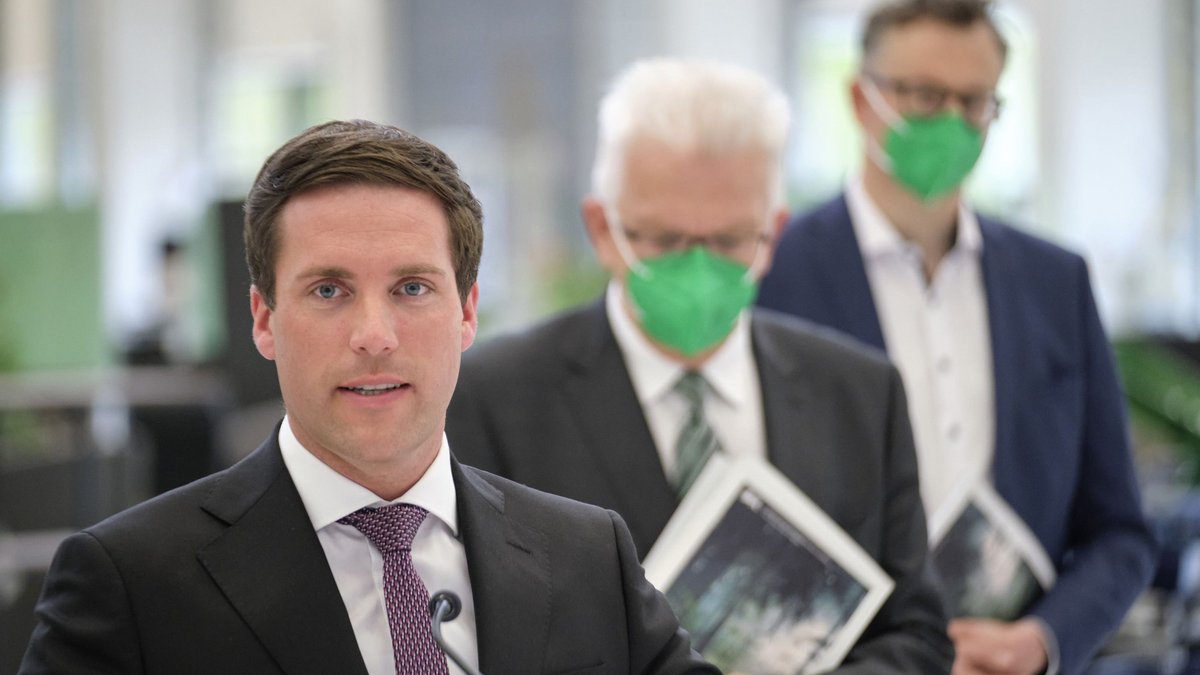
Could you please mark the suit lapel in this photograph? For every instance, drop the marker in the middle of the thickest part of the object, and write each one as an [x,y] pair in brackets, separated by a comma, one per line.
[605,408]
[790,417]
[510,579]
[1006,324]
[842,276]
[272,569]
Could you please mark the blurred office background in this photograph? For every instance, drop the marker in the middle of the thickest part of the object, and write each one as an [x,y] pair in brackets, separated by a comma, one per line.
[131,129]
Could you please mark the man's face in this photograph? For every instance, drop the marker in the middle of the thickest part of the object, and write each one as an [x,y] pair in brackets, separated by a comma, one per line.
[368,328]
[919,63]
[671,200]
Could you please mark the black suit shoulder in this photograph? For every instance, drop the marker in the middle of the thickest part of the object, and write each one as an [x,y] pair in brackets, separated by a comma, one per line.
[540,509]
[815,341]
[536,351]
[511,383]
[189,516]
[166,525]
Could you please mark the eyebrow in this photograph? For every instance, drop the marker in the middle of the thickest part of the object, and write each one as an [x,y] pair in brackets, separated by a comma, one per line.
[343,273]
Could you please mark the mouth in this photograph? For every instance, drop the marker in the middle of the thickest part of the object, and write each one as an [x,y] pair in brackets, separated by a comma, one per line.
[373,389]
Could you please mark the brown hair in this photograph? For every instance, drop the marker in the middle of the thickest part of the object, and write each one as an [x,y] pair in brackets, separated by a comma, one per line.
[359,152]
[957,13]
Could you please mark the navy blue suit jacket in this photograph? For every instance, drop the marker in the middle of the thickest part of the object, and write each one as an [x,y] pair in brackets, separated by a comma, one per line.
[1062,456]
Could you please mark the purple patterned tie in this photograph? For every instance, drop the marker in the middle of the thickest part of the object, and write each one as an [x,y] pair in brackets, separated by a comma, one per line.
[391,529]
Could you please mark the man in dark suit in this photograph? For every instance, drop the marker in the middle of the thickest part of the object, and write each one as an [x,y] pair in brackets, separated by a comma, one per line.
[318,552]
[592,404]
[1007,369]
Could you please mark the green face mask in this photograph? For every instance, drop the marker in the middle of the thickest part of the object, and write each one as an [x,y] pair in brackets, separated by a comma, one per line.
[931,156]
[928,155]
[690,300]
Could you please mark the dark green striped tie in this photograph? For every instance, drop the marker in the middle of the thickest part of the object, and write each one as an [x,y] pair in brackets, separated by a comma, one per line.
[696,441]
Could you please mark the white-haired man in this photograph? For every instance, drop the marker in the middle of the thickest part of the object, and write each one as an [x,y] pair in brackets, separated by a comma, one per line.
[685,213]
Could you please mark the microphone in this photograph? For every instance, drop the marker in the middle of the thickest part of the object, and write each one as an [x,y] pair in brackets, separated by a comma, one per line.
[445,606]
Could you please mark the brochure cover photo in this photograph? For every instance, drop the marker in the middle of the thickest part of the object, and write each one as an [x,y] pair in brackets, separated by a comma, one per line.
[763,580]
[984,559]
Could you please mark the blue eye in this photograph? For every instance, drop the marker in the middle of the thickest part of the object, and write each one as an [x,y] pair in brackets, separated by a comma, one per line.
[327,291]
[414,288]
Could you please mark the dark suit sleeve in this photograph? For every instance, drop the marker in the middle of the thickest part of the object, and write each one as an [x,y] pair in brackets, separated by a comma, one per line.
[84,621]
[657,643]
[1111,549]
[909,633]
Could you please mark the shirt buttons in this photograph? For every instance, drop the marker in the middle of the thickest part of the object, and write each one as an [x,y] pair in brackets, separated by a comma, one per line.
[953,432]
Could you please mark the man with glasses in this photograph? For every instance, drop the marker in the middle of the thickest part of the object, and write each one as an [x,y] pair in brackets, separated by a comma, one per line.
[621,402]
[1007,369]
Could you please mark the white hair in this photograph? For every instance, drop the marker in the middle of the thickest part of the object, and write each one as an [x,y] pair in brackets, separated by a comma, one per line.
[690,105]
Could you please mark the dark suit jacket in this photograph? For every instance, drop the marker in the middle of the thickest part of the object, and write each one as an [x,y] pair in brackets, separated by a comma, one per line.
[1062,456]
[555,409]
[226,575]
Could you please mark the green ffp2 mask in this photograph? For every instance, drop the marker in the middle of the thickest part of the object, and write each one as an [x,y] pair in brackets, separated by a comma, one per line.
[690,300]
[931,156]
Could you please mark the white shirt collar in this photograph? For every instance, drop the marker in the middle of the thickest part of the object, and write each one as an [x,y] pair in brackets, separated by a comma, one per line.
[729,370]
[329,496]
[878,236]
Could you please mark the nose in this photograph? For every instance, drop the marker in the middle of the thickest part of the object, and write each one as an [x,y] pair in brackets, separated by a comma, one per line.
[955,103]
[373,332]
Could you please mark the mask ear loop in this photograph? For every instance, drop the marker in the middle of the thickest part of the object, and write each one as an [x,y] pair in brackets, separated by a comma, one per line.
[880,105]
[759,263]
[622,243]
[889,116]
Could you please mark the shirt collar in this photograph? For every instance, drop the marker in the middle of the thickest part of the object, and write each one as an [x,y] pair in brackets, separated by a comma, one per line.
[729,370]
[329,496]
[877,236]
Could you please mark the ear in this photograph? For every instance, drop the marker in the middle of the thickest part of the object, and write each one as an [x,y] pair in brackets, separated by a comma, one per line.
[595,219]
[778,222]
[263,332]
[781,219]
[858,101]
[470,320]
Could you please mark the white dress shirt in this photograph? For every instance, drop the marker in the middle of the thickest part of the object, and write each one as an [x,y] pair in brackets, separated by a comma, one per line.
[936,333]
[438,555]
[732,402]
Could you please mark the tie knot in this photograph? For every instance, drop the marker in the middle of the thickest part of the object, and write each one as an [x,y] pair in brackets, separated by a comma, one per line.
[389,528]
[691,386]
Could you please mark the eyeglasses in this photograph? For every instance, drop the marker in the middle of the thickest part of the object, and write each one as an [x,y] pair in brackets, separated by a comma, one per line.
[738,245]
[922,99]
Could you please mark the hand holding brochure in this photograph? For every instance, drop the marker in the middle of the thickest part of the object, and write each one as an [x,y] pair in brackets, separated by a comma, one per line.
[763,580]
[985,560]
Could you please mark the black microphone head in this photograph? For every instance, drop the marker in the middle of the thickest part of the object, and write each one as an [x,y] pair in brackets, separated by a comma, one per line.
[451,602]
